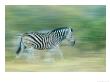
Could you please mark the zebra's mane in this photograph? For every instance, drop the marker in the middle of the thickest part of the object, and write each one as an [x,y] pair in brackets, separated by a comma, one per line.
[59,29]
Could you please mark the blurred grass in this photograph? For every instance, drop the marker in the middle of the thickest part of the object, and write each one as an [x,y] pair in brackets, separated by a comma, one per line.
[76,64]
[83,62]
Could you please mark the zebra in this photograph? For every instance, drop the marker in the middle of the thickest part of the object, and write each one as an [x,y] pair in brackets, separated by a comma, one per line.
[46,41]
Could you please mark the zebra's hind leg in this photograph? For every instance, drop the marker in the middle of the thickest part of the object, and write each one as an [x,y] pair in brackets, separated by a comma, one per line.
[30,55]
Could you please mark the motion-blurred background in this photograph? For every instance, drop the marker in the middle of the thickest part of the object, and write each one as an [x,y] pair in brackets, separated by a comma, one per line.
[88,22]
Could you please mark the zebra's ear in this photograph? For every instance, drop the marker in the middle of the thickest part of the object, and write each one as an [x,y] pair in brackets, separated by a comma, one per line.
[71,30]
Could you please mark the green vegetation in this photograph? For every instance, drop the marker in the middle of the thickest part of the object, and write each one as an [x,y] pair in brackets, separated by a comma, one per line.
[88,22]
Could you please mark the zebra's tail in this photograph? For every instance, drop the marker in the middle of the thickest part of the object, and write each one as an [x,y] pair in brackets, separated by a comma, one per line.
[20,47]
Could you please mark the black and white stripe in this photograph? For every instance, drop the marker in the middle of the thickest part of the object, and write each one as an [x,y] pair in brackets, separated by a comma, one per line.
[49,40]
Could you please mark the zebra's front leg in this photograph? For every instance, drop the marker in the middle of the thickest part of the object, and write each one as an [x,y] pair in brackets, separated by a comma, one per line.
[59,52]
[49,57]
[53,53]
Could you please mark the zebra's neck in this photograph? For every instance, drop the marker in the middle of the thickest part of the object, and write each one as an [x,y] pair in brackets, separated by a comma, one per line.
[58,35]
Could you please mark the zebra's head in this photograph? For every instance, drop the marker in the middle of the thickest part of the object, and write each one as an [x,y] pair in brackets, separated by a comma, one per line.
[70,36]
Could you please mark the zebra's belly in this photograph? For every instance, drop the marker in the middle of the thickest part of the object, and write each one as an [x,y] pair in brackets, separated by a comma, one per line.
[43,48]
